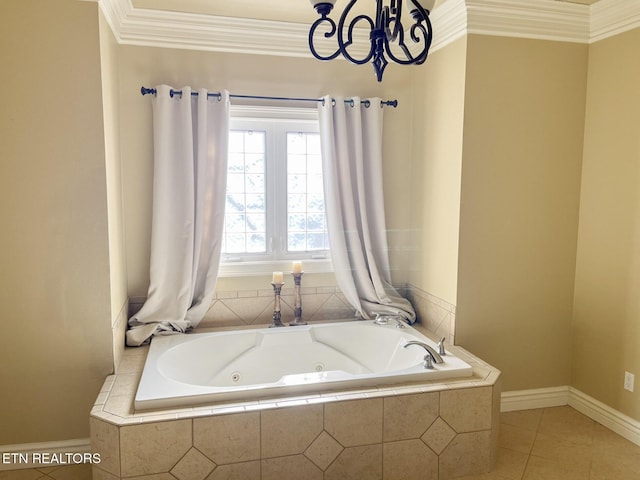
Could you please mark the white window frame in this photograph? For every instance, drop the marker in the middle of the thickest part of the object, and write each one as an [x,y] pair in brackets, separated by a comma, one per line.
[275,121]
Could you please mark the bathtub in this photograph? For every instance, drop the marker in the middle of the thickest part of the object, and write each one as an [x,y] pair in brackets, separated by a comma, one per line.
[194,369]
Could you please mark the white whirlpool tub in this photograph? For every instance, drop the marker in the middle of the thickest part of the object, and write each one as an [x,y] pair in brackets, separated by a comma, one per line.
[193,369]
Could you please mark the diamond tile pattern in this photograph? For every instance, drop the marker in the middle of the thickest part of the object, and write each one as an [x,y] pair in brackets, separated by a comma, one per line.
[438,436]
[193,466]
[324,450]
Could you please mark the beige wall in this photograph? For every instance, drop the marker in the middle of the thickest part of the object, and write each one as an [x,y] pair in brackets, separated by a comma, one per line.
[606,333]
[117,254]
[522,151]
[55,346]
[437,122]
[257,75]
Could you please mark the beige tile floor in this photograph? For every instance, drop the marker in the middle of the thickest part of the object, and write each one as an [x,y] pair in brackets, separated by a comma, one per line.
[544,444]
[561,444]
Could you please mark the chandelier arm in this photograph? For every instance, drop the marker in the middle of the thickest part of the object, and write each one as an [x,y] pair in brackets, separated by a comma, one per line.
[342,45]
[410,58]
[394,16]
[327,34]
[428,35]
[423,26]
[400,42]
[422,13]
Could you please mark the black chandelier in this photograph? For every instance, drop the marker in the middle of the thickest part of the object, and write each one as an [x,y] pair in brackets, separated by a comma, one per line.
[386,34]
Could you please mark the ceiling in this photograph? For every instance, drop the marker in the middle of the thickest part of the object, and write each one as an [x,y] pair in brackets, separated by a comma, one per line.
[283,10]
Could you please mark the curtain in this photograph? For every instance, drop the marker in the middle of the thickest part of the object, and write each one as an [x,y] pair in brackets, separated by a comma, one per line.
[190,138]
[351,143]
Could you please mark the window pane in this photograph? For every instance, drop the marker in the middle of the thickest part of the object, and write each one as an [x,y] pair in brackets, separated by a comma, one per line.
[296,143]
[256,204]
[297,242]
[297,203]
[297,164]
[306,226]
[255,224]
[316,241]
[314,184]
[235,182]
[254,142]
[316,222]
[235,204]
[236,141]
[297,222]
[246,193]
[235,243]
[297,183]
[256,243]
[235,163]
[313,145]
[254,183]
[315,203]
[254,163]
[234,223]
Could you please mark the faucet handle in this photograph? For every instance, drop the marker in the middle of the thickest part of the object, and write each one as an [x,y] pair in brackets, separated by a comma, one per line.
[399,321]
[441,349]
[381,318]
[428,362]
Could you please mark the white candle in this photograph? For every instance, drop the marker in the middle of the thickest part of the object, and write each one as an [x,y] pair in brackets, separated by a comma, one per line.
[296,267]
[277,277]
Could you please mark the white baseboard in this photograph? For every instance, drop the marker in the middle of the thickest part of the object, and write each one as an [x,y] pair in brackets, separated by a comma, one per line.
[623,425]
[538,398]
[47,454]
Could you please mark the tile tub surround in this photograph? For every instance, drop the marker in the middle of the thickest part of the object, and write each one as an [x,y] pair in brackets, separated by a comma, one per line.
[436,314]
[255,307]
[413,431]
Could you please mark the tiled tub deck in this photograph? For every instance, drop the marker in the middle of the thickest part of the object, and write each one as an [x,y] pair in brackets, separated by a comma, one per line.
[430,430]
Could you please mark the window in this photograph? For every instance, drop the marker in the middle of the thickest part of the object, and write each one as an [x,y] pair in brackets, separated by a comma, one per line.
[274,210]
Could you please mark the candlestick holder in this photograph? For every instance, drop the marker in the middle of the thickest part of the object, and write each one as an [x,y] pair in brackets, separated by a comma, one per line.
[277,316]
[297,309]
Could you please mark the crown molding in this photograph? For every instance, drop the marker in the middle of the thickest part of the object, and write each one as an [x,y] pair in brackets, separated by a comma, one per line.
[612,17]
[161,28]
[537,19]
[449,23]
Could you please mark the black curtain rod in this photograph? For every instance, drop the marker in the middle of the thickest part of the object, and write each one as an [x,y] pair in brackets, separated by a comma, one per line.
[366,103]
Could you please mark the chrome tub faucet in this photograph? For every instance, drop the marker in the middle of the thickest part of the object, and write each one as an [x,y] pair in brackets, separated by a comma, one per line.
[431,356]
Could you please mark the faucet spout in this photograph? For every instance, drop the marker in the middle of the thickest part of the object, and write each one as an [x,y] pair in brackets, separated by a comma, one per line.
[431,353]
